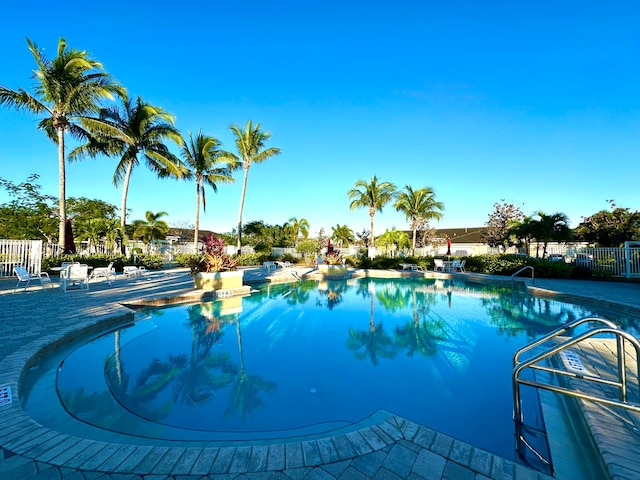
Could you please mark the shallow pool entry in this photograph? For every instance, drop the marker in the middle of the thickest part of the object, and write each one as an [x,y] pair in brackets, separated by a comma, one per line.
[305,358]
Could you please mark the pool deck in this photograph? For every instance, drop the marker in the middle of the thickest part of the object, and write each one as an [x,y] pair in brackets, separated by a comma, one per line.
[382,447]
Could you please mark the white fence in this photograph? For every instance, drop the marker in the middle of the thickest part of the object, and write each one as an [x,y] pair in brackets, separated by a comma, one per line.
[621,262]
[20,252]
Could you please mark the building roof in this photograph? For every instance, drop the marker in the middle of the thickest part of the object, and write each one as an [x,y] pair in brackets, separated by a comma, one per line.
[462,235]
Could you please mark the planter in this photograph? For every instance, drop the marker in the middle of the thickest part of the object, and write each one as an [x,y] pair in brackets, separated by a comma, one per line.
[218,280]
[333,271]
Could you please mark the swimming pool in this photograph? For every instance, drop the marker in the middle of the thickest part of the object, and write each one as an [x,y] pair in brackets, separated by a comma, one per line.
[304,358]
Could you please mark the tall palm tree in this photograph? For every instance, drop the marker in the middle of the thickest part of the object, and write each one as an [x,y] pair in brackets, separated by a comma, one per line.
[250,144]
[418,205]
[136,129]
[204,160]
[152,229]
[68,89]
[372,195]
[295,227]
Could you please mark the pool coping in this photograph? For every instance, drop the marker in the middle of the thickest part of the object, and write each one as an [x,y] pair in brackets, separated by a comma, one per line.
[382,432]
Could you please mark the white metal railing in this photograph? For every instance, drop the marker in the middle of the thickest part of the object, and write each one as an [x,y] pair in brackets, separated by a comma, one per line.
[20,252]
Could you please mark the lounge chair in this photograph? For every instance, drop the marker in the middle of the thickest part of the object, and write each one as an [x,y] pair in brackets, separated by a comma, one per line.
[107,272]
[406,266]
[438,265]
[133,271]
[284,264]
[76,275]
[416,268]
[25,277]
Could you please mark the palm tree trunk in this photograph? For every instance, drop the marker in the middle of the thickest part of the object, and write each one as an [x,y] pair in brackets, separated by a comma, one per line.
[413,242]
[195,232]
[123,211]
[125,189]
[244,190]
[63,180]
[372,213]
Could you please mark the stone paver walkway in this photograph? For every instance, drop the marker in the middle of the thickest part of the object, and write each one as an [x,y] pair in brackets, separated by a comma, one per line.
[383,447]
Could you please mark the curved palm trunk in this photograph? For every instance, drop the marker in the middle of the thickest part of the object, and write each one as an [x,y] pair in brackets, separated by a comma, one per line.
[123,214]
[125,189]
[244,190]
[62,212]
[197,226]
[117,356]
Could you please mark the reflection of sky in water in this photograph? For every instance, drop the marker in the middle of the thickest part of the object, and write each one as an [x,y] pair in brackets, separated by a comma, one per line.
[436,352]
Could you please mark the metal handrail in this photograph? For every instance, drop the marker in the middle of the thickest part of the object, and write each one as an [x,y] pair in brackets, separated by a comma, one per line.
[533,280]
[559,331]
[620,382]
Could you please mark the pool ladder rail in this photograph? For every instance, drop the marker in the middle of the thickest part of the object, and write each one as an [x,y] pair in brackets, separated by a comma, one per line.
[526,267]
[558,342]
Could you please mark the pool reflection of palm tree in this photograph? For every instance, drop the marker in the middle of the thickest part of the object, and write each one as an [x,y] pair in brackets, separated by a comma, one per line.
[374,342]
[192,378]
[245,391]
[527,315]
[416,336]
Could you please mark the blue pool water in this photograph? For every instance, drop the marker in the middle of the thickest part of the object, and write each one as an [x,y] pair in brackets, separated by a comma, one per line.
[307,358]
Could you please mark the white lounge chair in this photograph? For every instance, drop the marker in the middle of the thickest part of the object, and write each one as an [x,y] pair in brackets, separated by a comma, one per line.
[416,268]
[133,271]
[438,265]
[107,272]
[284,264]
[25,277]
[406,266]
[76,275]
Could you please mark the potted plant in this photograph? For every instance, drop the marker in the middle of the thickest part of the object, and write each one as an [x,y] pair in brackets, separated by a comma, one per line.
[215,269]
[333,264]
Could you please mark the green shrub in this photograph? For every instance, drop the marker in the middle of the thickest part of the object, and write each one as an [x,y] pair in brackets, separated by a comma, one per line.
[189,260]
[150,261]
[253,259]
[287,257]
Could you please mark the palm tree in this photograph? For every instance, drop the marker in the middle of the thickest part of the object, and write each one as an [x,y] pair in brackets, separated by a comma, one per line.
[418,205]
[138,128]
[371,195]
[551,227]
[209,165]
[152,229]
[342,235]
[295,227]
[392,240]
[250,143]
[68,89]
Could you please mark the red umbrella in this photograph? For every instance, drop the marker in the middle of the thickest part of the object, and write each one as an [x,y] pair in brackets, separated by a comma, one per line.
[448,247]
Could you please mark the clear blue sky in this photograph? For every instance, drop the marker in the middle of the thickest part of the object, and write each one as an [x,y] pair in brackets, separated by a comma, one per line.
[536,103]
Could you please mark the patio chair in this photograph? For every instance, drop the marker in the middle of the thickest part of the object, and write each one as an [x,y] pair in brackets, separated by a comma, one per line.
[416,268]
[107,272]
[459,266]
[284,264]
[76,275]
[25,277]
[65,266]
[438,265]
